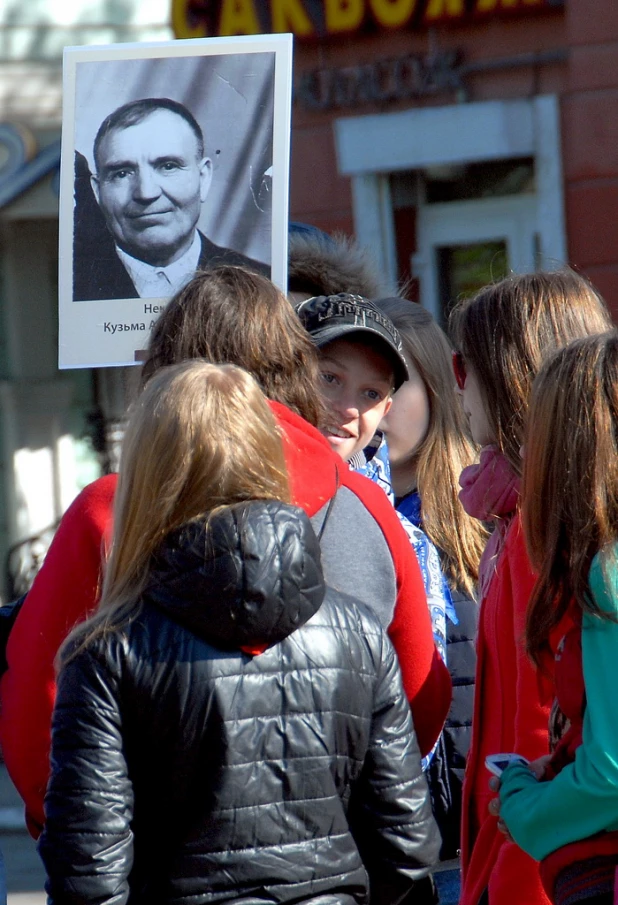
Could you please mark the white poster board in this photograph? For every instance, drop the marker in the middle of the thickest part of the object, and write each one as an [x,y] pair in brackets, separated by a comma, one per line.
[175,157]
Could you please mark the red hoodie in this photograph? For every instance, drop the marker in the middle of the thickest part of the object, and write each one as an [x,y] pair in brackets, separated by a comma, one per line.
[66,590]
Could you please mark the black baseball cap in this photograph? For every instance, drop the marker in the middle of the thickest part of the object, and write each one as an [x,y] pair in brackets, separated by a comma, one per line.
[330,317]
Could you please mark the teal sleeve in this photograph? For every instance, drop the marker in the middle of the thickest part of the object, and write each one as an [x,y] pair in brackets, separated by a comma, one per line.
[583,798]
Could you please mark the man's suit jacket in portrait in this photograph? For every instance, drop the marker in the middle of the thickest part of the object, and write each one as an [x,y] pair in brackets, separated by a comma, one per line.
[102,275]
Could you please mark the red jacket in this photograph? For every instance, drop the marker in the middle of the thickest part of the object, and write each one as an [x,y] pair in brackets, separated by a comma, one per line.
[66,591]
[511,711]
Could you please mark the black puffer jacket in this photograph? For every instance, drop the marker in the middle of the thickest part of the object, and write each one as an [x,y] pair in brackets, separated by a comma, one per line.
[185,771]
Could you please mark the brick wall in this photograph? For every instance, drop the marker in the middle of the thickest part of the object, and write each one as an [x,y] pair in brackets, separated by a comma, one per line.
[590,142]
[317,193]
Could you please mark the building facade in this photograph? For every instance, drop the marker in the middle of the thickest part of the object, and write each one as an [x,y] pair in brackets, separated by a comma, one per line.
[55,426]
[458,139]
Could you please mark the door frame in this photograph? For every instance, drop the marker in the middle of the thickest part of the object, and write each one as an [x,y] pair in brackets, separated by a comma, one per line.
[369,148]
[510,218]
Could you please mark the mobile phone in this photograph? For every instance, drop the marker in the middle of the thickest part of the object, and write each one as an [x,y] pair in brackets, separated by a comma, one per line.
[497,763]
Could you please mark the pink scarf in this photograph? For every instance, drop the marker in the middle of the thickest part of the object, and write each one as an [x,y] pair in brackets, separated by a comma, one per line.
[490,493]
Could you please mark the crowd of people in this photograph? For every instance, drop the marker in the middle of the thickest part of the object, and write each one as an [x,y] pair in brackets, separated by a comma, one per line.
[346,560]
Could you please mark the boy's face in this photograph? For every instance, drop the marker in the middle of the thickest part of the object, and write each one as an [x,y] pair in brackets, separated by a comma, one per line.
[357,384]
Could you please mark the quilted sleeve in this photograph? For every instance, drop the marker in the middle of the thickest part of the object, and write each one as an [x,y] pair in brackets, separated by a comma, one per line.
[391,814]
[87,843]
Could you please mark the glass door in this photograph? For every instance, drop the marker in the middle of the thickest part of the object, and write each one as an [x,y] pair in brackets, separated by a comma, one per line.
[464,269]
[462,245]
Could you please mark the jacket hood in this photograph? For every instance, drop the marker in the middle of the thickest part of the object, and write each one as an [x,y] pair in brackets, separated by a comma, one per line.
[313,468]
[245,578]
[327,265]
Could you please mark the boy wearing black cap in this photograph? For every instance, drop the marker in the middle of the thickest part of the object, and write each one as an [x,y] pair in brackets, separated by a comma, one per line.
[362,365]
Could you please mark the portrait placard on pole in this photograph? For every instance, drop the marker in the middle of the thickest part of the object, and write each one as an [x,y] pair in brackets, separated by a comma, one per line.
[175,157]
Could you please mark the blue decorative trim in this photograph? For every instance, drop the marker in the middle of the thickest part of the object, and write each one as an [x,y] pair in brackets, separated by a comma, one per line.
[20,173]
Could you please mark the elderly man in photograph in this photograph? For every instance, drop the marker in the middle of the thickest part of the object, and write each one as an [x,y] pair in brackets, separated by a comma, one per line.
[151,179]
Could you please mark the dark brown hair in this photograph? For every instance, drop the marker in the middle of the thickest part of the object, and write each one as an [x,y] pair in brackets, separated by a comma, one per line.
[447,448]
[570,486]
[506,331]
[231,315]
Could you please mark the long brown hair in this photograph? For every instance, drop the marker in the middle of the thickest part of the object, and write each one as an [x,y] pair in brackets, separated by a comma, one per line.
[570,486]
[229,314]
[506,331]
[446,449]
[199,437]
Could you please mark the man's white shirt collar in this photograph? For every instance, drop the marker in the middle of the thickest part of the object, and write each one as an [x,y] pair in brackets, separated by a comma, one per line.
[161,282]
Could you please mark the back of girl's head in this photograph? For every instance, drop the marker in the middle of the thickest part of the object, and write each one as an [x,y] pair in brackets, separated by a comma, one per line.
[199,437]
[447,448]
[506,331]
[229,314]
[570,487]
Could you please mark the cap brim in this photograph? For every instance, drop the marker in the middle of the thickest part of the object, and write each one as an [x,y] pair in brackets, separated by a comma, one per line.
[337,331]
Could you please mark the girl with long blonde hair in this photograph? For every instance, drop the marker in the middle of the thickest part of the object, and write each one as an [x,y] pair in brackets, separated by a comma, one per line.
[569,821]
[428,446]
[502,337]
[226,728]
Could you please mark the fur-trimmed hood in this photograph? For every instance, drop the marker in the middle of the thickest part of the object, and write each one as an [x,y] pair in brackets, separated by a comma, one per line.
[326,265]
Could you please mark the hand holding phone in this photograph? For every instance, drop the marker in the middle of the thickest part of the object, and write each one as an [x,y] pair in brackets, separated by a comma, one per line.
[497,763]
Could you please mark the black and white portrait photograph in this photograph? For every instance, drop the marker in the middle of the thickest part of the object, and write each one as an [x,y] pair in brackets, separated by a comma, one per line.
[171,162]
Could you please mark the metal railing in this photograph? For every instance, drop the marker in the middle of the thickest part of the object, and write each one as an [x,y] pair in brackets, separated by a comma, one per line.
[24,559]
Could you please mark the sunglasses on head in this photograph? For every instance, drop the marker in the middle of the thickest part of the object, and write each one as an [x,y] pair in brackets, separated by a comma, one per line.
[459,369]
